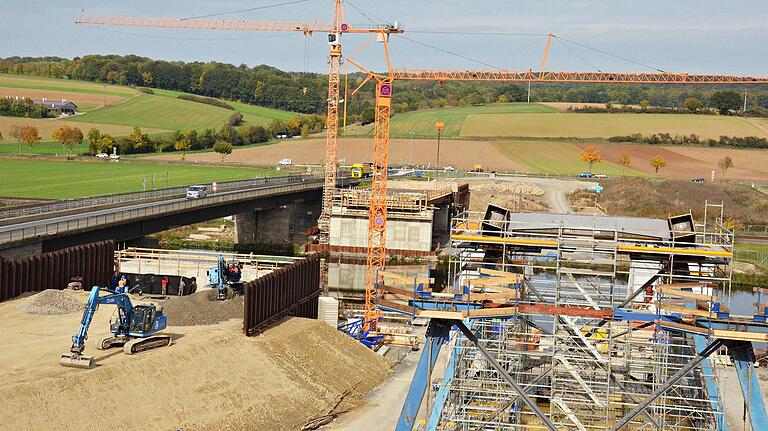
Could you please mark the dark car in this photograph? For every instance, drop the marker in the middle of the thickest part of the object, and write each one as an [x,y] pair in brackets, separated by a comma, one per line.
[584,175]
[697,180]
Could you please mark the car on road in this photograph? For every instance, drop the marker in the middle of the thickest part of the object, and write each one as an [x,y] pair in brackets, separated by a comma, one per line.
[600,176]
[697,180]
[584,175]
[197,192]
[114,157]
[285,162]
[102,155]
[449,169]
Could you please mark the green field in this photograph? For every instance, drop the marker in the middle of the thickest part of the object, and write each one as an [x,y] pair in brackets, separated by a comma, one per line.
[84,87]
[557,158]
[422,123]
[540,121]
[567,125]
[752,253]
[41,148]
[45,179]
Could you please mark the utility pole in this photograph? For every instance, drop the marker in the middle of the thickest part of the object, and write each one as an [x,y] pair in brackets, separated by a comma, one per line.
[529,91]
[745,103]
[410,153]
[439,125]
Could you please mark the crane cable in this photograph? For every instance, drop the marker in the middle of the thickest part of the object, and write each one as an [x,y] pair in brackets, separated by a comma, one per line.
[269,6]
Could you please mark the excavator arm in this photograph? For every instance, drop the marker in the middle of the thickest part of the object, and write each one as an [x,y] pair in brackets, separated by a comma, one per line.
[75,357]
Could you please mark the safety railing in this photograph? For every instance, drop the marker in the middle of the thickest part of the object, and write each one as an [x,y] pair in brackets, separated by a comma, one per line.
[11,213]
[47,229]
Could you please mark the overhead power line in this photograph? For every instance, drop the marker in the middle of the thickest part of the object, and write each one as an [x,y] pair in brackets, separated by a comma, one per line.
[269,6]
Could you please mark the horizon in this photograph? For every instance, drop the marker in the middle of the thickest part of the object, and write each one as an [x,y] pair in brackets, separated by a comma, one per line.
[710,38]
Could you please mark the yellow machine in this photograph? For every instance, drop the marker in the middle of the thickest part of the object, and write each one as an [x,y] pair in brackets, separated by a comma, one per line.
[361,170]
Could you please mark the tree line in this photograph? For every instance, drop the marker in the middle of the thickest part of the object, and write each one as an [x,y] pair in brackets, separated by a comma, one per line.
[692,140]
[23,107]
[307,92]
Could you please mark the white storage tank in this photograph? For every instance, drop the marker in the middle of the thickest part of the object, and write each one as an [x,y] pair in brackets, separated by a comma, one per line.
[328,310]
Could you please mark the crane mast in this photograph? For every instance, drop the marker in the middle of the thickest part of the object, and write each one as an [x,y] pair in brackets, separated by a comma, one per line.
[335,29]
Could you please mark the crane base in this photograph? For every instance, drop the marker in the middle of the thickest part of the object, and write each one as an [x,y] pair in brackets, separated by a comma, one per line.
[69,360]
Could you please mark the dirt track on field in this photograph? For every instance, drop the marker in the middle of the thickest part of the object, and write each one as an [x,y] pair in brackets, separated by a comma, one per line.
[211,378]
[461,154]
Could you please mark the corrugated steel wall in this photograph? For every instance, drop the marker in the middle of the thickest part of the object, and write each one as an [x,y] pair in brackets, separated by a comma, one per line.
[94,262]
[289,291]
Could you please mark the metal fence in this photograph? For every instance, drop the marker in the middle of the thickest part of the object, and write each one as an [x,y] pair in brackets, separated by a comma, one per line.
[289,291]
[93,262]
[141,196]
[54,228]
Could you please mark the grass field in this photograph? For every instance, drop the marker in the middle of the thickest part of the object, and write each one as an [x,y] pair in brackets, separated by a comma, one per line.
[422,123]
[41,148]
[557,158]
[86,95]
[55,180]
[754,253]
[569,125]
[164,110]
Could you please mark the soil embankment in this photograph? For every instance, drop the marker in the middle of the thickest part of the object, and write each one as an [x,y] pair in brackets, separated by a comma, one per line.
[211,378]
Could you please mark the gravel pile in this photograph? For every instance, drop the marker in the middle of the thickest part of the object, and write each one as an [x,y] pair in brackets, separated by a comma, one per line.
[51,302]
[202,308]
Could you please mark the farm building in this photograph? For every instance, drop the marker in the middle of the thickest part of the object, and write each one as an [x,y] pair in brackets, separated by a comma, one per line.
[62,108]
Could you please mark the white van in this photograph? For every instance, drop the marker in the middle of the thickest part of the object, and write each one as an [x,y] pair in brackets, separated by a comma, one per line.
[285,162]
[197,192]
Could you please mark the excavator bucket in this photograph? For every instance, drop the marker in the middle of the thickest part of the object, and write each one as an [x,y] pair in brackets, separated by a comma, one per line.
[70,360]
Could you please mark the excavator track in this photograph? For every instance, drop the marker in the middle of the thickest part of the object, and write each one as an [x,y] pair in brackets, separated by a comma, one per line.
[143,344]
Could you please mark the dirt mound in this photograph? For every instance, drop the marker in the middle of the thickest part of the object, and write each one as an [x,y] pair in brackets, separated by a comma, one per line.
[513,195]
[212,378]
[202,308]
[51,302]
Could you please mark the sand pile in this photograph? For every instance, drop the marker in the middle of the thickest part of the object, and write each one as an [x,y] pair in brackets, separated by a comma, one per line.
[211,378]
[202,308]
[51,302]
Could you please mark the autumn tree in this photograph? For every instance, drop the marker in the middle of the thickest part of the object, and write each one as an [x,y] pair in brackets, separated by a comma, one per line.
[591,156]
[658,162]
[624,161]
[223,148]
[94,141]
[725,164]
[29,136]
[68,136]
[106,142]
[183,144]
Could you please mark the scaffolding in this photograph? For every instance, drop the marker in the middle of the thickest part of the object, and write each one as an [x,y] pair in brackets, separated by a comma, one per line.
[583,372]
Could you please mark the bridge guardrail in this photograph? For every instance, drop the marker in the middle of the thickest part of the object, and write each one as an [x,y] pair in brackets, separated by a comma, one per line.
[54,228]
[127,197]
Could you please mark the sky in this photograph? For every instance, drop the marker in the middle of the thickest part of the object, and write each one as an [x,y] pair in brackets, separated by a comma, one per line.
[692,36]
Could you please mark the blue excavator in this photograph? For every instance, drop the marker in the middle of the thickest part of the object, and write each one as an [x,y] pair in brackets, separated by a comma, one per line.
[226,278]
[135,328]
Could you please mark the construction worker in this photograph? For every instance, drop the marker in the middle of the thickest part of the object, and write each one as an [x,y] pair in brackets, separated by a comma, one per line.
[164,285]
[122,285]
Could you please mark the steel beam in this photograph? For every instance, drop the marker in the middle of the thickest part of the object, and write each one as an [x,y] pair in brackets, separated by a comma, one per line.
[437,335]
[743,358]
[711,348]
[520,391]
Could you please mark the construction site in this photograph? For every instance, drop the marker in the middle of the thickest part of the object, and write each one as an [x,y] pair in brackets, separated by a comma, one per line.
[421,299]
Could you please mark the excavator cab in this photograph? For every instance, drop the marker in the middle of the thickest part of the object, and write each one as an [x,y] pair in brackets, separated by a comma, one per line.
[146,320]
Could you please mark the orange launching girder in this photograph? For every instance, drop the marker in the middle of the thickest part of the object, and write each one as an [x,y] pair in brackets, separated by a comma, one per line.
[596,77]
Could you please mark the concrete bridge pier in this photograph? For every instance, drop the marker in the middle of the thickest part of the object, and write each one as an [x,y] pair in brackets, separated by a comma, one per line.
[283,224]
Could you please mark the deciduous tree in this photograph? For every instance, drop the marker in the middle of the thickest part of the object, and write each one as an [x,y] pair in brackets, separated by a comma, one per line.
[658,162]
[591,156]
[29,136]
[724,164]
[223,148]
[68,136]
[725,101]
[94,141]
[624,161]
[693,104]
